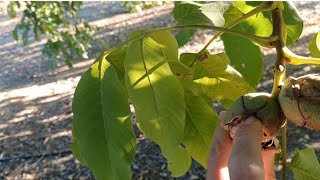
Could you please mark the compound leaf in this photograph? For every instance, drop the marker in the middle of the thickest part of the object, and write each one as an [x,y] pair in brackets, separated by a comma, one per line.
[103,135]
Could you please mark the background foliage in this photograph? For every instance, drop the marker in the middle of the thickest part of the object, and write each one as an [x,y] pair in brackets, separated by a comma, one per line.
[67,36]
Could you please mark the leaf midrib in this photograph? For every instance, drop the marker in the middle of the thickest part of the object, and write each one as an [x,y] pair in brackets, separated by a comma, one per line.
[151,85]
[103,117]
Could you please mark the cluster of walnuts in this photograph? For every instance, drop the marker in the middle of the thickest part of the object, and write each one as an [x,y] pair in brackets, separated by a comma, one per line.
[298,101]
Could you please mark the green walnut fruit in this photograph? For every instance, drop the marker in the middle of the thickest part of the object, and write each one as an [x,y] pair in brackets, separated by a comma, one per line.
[260,105]
[299,99]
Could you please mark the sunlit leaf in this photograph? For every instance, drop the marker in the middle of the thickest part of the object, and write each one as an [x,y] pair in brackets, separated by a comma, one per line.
[216,78]
[194,13]
[103,135]
[305,165]
[259,24]
[201,121]
[293,22]
[314,46]
[186,13]
[157,96]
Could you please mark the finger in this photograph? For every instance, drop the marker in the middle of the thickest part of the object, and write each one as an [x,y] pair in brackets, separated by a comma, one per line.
[245,159]
[268,164]
[268,160]
[221,141]
[220,134]
[219,152]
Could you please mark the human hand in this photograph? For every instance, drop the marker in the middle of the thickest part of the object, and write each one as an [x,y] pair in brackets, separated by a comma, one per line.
[241,158]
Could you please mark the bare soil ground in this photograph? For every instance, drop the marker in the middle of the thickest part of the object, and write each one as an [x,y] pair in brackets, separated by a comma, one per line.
[35,103]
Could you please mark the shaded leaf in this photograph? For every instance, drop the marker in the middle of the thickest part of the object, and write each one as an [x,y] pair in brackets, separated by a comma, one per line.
[188,58]
[116,58]
[314,46]
[184,36]
[201,121]
[183,73]
[243,54]
[245,57]
[305,165]
[157,96]
[103,135]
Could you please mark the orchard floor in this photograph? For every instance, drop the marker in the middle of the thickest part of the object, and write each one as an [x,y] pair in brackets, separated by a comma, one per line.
[35,103]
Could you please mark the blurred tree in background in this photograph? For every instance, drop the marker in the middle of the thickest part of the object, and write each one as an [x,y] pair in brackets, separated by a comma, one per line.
[139,6]
[68,37]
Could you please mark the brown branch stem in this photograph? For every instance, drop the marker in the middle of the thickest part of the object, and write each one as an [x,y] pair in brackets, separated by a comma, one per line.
[279,68]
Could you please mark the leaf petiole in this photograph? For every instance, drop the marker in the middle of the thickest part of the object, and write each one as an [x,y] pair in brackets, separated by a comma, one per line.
[263,41]
[294,59]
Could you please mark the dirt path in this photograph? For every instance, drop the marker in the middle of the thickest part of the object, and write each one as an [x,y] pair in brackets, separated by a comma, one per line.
[35,104]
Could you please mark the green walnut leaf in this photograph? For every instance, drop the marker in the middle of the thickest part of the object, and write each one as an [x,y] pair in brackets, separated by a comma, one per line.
[293,21]
[186,13]
[259,24]
[102,131]
[116,58]
[194,13]
[157,95]
[314,46]
[214,77]
[244,55]
[201,121]
[184,36]
[183,73]
[305,165]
